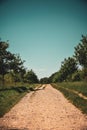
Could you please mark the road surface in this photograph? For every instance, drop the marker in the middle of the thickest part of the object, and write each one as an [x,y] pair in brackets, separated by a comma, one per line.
[44,109]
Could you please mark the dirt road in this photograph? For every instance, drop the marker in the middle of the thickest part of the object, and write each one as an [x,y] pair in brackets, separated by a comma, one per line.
[45,109]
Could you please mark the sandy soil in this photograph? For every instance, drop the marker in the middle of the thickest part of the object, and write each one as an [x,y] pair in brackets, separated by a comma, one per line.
[45,109]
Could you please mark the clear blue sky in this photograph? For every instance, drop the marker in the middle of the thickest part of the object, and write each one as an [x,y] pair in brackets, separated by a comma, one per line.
[43,32]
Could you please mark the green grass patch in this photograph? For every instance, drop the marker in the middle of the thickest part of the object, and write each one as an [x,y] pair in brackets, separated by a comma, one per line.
[74,98]
[80,87]
[8,98]
[10,95]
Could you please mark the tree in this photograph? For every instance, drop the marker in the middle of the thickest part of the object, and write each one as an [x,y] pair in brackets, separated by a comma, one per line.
[17,68]
[31,77]
[81,52]
[68,67]
[5,59]
[54,77]
[44,80]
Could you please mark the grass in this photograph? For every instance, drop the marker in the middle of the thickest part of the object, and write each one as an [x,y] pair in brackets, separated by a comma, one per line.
[74,98]
[80,87]
[10,95]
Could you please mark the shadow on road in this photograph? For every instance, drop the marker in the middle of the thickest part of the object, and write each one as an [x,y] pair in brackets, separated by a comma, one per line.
[6,128]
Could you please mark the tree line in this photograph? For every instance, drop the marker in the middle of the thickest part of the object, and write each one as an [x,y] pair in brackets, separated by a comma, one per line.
[72,68]
[12,67]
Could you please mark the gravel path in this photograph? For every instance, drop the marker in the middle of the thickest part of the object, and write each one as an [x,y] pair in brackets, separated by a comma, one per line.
[45,109]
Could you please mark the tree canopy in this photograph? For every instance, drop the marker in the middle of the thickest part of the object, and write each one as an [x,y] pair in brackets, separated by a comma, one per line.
[13,64]
[81,52]
[69,67]
[31,77]
[6,58]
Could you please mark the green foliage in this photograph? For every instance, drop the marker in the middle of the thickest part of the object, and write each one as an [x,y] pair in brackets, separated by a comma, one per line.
[17,69]
[68,67]
[12,69]
[44,80]
[10,63]
[17,64]
[8,98]
[3,47]
[52,77]
[56,77]
[8,78]
[5,59]
[80,75]
[81,52]
[31,77]
[76,76]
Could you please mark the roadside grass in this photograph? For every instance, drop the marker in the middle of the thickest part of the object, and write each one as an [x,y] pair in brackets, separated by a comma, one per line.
[80,87]
[11,95]
[74,98]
